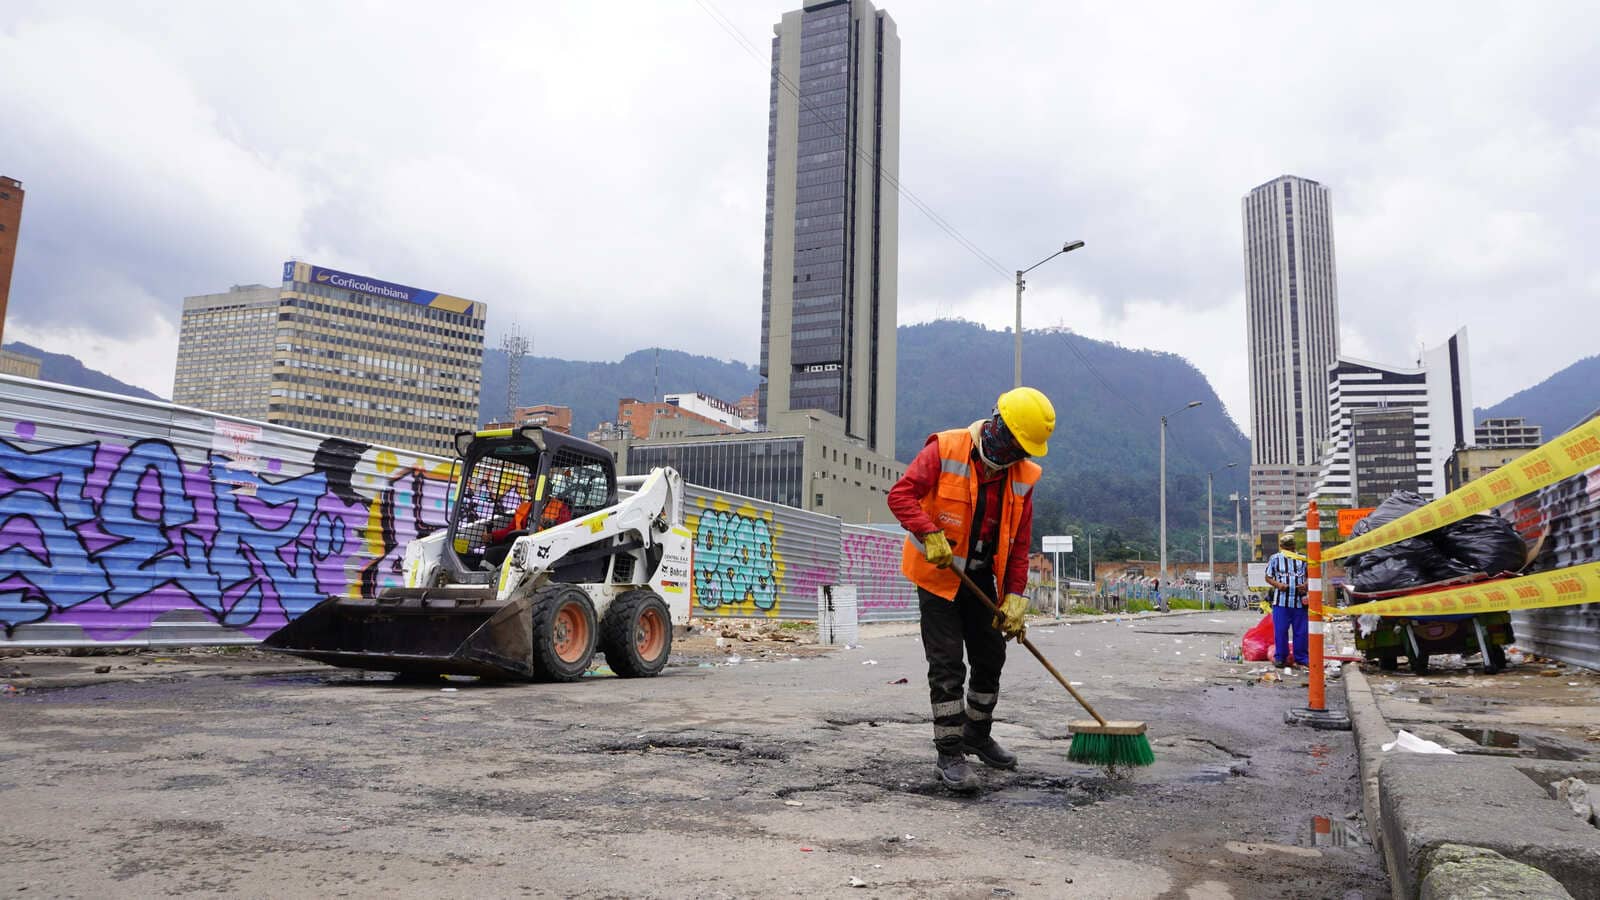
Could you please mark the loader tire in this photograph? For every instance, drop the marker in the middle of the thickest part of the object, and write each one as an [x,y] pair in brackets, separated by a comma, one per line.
[637,634]
[564,633]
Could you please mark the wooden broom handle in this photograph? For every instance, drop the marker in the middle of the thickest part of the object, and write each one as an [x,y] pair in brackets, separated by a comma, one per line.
[1023,640]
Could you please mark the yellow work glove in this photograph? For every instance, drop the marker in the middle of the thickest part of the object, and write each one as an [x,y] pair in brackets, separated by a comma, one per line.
[937,549]
[1013,610]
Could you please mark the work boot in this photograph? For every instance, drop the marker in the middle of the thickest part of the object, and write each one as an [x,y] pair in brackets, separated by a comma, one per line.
[956,774]
[990,752]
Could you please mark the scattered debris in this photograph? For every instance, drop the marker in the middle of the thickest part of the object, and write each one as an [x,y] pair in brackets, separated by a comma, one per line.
[102,670]
[793,803]
[1409,742]
[869,662]
[448,690]
[857,882]
[1575,793]
[901,681]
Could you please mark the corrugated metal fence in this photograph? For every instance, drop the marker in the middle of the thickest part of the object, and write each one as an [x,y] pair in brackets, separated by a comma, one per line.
[1564,520]
[870,560]
[131,522]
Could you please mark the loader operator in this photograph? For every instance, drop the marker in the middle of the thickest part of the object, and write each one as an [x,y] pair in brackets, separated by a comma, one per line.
[967,500]
[556,512]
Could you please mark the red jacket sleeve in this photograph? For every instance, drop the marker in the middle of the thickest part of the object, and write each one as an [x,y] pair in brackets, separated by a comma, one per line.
[905,498]
[1017,566]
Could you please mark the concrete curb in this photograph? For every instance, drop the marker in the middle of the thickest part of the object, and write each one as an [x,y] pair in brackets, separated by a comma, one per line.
[1371,733]
[1467,826]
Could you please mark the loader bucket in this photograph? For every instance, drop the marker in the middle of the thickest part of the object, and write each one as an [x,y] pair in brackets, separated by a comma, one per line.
[429,631]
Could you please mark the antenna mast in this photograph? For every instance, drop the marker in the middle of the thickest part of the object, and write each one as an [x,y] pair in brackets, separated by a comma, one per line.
[515,347]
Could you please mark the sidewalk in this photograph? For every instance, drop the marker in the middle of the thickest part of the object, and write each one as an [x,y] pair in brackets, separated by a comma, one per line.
[1514,735]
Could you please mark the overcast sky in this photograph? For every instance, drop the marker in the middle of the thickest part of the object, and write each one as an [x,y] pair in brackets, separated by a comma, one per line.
[595,172]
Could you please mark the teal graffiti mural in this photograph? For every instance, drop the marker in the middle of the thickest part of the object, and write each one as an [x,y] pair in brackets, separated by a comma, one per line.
[735,562]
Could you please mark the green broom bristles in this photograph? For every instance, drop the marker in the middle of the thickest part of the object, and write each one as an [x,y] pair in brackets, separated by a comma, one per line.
[1111,750]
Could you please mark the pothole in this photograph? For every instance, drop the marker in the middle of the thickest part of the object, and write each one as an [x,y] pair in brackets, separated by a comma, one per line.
[695,742]
[873,721]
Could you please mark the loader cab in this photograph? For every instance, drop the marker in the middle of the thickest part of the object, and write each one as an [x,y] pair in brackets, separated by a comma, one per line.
[516,481]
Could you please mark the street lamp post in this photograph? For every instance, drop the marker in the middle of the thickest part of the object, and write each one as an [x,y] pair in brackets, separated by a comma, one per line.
[1164,579]
[1211,540]
[1238,539]
[1068,247]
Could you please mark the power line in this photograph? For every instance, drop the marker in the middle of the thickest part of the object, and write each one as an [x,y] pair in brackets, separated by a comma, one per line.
[854,146]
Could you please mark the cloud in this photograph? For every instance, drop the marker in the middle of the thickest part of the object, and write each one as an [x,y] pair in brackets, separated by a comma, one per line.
[595,173]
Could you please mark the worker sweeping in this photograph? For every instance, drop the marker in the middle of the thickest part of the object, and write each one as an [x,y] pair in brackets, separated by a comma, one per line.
[967,501]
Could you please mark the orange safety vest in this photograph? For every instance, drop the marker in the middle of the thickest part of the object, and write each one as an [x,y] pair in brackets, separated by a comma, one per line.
[951,505]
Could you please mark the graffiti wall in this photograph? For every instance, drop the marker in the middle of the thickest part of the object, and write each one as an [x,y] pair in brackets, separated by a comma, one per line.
[757,558]
[870,560]
[129,522]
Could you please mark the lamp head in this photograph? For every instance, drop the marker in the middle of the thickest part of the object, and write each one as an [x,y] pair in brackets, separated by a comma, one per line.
[1070,246]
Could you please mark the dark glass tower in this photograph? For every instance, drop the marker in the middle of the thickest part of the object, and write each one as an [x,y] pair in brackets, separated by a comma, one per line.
[828,307]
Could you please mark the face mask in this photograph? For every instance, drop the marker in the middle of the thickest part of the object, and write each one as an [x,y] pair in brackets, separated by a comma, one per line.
[996,444]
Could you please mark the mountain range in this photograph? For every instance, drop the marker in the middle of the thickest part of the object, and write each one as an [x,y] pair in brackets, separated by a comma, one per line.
[1556,403]
[64,369]
[1103,464]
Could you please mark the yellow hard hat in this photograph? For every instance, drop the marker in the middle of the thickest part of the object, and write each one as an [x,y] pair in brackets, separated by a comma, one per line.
[1029,417]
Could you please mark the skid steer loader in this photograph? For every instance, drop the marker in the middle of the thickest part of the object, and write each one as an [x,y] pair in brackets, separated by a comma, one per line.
[540,566]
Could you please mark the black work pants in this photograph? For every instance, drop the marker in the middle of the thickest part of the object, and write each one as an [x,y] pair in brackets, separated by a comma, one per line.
[948,626]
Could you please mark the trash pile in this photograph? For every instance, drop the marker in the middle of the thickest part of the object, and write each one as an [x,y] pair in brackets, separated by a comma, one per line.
[1484,544]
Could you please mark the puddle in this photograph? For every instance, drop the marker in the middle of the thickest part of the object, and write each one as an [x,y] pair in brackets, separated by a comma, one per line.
[1529,747]
[1216,773]
[1489,737]
[1327,831]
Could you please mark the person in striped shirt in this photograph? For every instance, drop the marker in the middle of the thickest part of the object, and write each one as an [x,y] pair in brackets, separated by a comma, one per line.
[1287,576]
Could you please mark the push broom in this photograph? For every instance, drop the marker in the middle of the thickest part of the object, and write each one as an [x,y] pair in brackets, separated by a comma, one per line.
[1096,742]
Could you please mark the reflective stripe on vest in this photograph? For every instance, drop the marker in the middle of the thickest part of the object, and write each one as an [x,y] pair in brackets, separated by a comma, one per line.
[951,505]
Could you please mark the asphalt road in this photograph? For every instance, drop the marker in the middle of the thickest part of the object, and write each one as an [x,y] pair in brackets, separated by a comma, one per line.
[770,778]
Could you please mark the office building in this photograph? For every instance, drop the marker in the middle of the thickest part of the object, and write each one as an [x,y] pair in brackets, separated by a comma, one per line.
[19,364]
[1471,463]
[545,415]
[813,466]
[11,196]
[1495,442]
[1292,306]
[341,354]
[638,417]
[713,409]
[1395,428]
[1507,432]
[828,302]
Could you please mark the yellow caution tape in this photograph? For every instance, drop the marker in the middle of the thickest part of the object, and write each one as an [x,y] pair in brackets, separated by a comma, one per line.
[1567,455]
[1562,587]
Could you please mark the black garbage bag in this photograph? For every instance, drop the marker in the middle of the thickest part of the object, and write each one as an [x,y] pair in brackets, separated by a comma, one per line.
[1408,563]
[1483,543]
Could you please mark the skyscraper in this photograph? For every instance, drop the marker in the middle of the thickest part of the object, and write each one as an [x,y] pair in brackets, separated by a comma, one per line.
[1292,301]
[1395,428]
[828,304]
[342,354]
[11,196]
